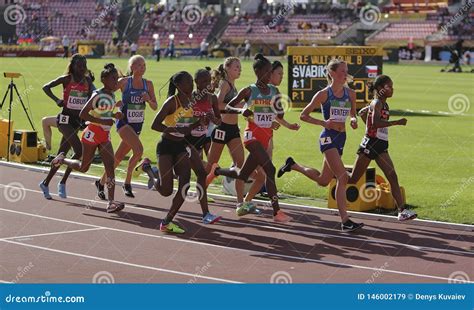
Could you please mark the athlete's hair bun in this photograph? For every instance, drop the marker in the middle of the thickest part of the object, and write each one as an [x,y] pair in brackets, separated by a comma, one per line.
[208,68]
[260,61]
[109,66]
[259,57]
[108,69]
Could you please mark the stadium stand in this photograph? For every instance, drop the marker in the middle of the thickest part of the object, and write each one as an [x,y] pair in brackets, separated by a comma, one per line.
[157,20]
[85,19]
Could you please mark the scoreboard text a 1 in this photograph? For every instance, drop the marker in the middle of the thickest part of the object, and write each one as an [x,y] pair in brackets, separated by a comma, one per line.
[307,70]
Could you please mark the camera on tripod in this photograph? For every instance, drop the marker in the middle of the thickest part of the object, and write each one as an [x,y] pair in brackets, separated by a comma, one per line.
[11,75]
[17,150]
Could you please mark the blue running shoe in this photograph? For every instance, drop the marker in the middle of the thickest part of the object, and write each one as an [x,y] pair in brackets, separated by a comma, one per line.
[45,190]
[211,218]
[62,190]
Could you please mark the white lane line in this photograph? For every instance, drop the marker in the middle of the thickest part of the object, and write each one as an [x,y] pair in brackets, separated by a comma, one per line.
[300,232]
[119,262]
[371,216]
[52,233]
[246,251]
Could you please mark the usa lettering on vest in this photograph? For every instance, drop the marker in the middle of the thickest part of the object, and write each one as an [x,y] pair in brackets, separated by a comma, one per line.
[136,99]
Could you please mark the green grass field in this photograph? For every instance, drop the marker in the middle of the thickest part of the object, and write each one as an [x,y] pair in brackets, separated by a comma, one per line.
[433,154]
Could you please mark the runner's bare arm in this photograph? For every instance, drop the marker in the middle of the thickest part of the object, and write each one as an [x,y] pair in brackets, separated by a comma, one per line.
[151,98]
[243,95]
[64,79]
[316,102]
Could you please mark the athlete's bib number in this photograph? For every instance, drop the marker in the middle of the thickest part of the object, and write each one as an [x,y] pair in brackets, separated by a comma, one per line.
[219,135]
[63,119]
[248,136]
[364,142]
[76,103]
[135,116]
[263,120]
[325,140]
[89,135]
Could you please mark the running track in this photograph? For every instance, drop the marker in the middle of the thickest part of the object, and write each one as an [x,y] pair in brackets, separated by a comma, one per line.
[71,240]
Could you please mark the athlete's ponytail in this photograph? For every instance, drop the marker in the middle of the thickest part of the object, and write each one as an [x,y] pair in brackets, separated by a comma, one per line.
[175,80]
[376,87]
[260,61]
[90,74]
[220,73]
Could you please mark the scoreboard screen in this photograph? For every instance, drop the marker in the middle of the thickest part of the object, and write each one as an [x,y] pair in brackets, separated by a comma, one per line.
[307,70]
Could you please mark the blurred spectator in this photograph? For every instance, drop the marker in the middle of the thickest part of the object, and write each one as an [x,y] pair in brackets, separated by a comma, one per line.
[247,49]
[66,44]
[203,49]
[133,49]
[126,47]
[157,48]
[281,48]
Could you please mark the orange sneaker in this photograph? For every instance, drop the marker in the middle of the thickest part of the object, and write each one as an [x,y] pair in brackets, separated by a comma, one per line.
[281,217]
[211,176]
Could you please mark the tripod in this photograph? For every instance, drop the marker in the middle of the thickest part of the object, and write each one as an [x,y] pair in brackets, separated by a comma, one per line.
[12,86]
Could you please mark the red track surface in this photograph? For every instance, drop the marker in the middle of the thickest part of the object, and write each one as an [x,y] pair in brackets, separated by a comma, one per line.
[71,240]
